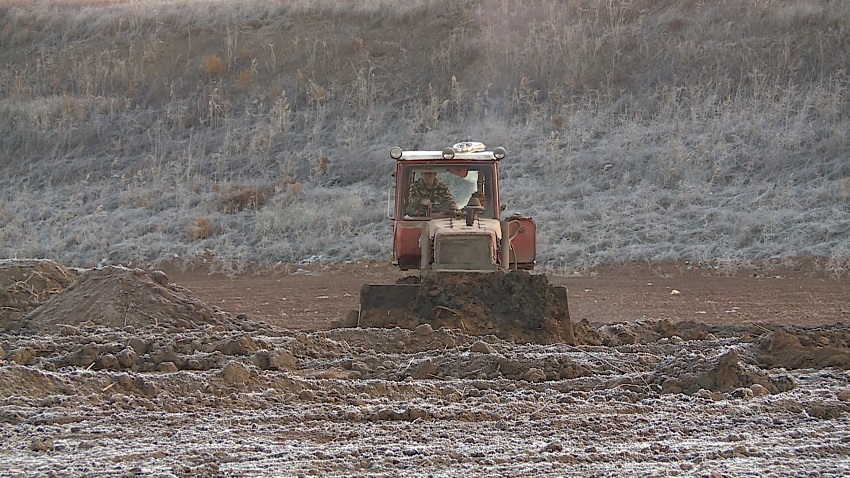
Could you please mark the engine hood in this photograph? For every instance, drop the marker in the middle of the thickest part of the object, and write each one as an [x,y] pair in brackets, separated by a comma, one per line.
[451,226]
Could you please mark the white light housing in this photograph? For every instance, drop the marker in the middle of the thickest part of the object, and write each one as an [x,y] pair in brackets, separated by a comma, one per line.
[448,153]
[469,147]
[499,153]
[395,152]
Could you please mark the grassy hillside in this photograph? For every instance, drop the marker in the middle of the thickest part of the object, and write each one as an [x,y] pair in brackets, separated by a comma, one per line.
[258,131]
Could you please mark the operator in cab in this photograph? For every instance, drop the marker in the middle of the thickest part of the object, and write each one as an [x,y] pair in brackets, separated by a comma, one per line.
[430,195]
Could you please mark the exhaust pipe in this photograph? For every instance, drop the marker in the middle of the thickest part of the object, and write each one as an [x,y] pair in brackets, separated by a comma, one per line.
[425,247]
[505,258]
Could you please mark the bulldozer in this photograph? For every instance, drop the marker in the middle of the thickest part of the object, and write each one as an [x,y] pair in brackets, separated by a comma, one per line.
[472,261]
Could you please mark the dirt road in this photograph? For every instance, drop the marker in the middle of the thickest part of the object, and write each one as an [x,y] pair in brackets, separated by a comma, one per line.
[119,372]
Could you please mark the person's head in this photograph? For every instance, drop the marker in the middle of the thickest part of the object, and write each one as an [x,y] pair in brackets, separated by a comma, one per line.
[430,178]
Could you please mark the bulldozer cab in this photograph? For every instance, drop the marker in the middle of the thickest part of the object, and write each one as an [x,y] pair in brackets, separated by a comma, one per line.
[446,212]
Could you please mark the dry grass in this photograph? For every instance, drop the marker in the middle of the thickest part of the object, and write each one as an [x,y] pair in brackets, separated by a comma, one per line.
[293,187]
[838,265]
[639,129]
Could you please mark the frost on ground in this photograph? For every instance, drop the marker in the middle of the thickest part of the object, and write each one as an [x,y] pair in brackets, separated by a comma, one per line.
[124,372]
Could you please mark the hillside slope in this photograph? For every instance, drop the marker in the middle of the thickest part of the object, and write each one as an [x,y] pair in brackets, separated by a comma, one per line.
[257,131]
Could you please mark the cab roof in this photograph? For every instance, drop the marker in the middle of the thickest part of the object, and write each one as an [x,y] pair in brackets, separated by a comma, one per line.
[469,151]
[438,156]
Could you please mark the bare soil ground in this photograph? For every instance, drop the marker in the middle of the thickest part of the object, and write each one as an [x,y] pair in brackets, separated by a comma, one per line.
[121,371]
[311,297]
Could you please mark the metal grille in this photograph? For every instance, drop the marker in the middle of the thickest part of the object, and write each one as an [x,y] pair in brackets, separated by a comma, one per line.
[464,252]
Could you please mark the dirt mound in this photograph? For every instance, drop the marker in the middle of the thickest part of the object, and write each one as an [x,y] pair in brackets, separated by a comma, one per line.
[118,297]
[27,283]
[809,349]
[691,371]
[515,306]
[645,331]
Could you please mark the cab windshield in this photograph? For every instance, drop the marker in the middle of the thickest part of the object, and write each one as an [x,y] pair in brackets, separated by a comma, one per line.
[440,190]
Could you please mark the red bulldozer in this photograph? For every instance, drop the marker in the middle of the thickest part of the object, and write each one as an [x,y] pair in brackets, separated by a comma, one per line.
[473,260]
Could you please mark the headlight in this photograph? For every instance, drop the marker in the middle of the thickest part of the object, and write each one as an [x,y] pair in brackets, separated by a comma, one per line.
[395,152]
[499,153]
[448,153]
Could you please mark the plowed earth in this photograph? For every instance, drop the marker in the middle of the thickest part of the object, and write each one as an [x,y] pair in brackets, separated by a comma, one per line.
[681,371]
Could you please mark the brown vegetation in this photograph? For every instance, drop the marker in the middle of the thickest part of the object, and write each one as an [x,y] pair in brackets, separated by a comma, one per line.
[214,66]
[235,198]
[323,164]
[201,228]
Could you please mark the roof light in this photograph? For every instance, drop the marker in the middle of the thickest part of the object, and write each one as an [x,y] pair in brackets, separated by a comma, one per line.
[499,153]
[469,147]
[395,152]
[448,153]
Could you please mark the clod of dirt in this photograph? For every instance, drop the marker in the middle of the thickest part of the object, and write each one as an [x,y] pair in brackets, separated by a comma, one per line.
[282,360]
[127,357]
[108,362]
[759,390]
[118,297]
[84,356]
[426,369]
[139,345]
[826,412]
[481,347]
[235,373]
[22,356]
[167,367]
[243,345]
[261,359]
[26,284]
[43,443]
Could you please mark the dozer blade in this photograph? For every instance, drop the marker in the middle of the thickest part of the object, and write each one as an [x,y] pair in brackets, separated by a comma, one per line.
[394,296]
[515,306]
[388,305]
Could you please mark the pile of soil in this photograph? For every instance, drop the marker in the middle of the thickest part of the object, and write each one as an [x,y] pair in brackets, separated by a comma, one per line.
[795,349]
[118,297]
[515,306]
[26,284]
[648,331]
[690,371]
